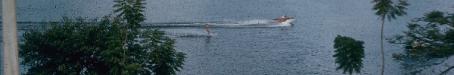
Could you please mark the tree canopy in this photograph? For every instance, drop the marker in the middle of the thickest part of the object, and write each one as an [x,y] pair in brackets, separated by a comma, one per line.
[429,38]
[349,54]
[77,47]
[130,11]
[111,46]
[388,9]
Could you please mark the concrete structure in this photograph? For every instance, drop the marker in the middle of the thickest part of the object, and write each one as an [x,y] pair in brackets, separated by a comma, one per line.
[10,45]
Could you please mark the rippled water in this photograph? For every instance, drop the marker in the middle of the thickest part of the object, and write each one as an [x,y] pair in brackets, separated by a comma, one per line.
[302,49]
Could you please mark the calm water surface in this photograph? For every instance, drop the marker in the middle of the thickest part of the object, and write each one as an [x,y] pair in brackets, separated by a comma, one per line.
[302,49]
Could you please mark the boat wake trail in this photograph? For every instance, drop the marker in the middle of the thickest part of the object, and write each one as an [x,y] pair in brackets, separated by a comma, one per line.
[176,32]
[246,23]
[202,29]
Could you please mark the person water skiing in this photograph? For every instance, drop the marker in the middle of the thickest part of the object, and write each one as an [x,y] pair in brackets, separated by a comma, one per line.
[207,29]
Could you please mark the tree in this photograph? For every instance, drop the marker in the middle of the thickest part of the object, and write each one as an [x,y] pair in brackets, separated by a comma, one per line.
[77,47]
[131,12]
[349,54]
[429,41]
[112,46]
[387,9]
[164,57]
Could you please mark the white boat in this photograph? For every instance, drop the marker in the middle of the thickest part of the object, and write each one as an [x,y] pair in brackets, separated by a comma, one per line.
[284,20]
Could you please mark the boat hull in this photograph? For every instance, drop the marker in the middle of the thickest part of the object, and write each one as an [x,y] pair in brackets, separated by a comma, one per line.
[286,22]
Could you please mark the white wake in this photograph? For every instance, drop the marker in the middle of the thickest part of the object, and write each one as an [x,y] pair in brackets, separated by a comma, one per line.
[244,23]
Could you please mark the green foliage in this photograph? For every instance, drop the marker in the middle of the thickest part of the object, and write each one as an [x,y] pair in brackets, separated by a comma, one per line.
[131,11]
[76,47]
[112,46]
[70,47]
[167,61]
[431,36]
[436,17]
[387,9]
[427,40]
[349,54]
[108,47]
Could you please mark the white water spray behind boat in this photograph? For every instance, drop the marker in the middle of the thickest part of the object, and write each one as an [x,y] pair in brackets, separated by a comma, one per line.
[279,22]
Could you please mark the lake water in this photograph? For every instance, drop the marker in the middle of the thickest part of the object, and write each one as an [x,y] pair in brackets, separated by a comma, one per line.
[302,49]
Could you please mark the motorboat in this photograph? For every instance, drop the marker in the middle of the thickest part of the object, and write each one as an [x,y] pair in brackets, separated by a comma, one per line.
[284,20]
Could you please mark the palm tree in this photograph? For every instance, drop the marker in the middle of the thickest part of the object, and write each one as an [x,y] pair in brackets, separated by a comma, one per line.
[349,54]
[387,9]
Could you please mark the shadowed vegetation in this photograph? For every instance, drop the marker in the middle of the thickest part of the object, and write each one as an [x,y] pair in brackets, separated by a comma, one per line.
[429,41]
[77,47]
[349,54]
[111,46]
